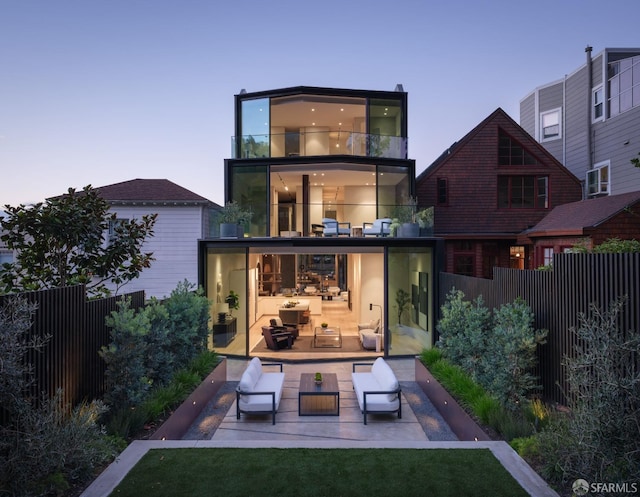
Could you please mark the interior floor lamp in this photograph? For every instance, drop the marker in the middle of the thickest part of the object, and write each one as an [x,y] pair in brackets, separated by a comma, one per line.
[380,325]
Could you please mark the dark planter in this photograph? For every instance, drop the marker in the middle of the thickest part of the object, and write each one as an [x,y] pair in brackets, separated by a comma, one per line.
[409,230]
[183,417]
[230,230]
[463,425]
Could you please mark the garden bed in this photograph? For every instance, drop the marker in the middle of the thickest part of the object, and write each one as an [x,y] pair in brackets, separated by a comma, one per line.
[460,422]
[183,417]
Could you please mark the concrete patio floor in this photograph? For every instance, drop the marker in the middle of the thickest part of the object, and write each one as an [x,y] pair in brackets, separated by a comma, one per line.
[421,427]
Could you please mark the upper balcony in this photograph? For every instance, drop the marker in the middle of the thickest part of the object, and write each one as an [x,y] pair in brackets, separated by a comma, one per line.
[318,142]
[307,122]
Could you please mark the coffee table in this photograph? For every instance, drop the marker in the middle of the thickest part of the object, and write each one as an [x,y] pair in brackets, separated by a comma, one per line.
[327,337]
[318,400]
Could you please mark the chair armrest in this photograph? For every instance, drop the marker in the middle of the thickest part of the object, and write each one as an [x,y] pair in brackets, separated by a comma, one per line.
[386,223]
[346,223]
[366,224]
[273,364]
[353,369]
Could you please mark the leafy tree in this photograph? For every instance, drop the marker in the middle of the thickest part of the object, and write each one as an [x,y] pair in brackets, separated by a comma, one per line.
[403,299]
[62,242]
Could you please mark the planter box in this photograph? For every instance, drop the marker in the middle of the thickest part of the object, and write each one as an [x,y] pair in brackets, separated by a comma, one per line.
[463,425]
[183,417]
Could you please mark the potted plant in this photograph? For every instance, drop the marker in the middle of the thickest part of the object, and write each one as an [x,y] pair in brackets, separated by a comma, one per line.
[403,299]
[233,299]
[324,325]
[404,220]
[425,221]
[232,218]
[318,378]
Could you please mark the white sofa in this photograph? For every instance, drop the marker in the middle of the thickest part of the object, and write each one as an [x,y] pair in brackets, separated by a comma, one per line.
[370,336]
[377,390]
[259,392]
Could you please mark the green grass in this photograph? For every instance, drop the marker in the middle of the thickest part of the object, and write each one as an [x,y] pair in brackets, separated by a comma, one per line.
[294,472]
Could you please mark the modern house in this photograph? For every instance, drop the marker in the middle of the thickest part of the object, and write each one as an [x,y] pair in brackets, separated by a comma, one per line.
[590,120]
[315,166]
[487,188]
[183,218]
[585,223]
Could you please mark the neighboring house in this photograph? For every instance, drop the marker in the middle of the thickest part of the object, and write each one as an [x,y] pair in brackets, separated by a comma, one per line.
[587,223]
[486,189]
[590,120]
[303,155]
[183,218]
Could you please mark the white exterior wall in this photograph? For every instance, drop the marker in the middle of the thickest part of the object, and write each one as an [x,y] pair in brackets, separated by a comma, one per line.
[174,246]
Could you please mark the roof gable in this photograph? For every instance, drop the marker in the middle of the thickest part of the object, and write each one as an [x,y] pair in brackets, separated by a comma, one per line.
[504,122]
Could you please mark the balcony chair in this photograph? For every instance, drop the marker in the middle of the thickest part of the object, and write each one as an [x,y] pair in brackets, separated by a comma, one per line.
[277,340]
[334,228]
[380,227]
[278,326]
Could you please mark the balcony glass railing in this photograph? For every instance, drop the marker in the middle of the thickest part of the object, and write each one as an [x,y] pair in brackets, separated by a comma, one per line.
[313,143]
[286,220]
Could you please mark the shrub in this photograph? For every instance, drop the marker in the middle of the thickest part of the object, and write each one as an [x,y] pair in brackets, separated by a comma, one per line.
[600,439]
[498,351]
[126,356]
[463,331]
[159,359]
[188,322]
[510,354]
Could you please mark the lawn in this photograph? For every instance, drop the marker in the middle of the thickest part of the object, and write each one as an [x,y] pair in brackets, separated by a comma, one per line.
[230,472]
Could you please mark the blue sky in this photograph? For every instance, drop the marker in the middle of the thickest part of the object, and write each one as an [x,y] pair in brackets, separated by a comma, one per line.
[97,92]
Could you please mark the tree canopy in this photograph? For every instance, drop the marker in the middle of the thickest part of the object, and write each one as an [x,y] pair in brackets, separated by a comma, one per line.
[73,239]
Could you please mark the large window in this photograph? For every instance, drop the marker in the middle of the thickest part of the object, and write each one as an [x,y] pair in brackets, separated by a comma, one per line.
[512,153]
[523,192]
[624,85]
[550,125]
[598,180]
[254,140]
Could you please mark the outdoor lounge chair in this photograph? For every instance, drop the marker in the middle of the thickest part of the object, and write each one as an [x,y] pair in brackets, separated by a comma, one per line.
[334,228]
[380,227]
[277,340]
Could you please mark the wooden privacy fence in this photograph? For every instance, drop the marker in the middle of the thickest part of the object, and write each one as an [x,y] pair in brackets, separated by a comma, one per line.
[77,330]
[556,298]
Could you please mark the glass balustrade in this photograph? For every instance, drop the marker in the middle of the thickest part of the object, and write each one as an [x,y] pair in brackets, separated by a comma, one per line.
[317,143]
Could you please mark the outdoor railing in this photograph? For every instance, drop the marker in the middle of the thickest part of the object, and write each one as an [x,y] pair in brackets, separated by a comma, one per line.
[313,143]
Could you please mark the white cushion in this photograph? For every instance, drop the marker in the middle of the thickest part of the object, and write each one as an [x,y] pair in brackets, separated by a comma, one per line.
[278,321]
[268,382]
[385,376]
[367,382]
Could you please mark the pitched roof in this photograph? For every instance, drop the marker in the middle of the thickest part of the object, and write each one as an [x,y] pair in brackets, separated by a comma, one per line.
[150,191]
[524,138]
[575,217]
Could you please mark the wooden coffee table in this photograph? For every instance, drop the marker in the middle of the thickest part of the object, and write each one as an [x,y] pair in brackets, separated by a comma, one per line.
[319,400]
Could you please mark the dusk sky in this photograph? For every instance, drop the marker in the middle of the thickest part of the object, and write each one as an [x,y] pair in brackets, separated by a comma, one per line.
[97,92]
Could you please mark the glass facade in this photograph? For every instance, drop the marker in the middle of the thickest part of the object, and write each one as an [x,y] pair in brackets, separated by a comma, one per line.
[301,155]
[409,306]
